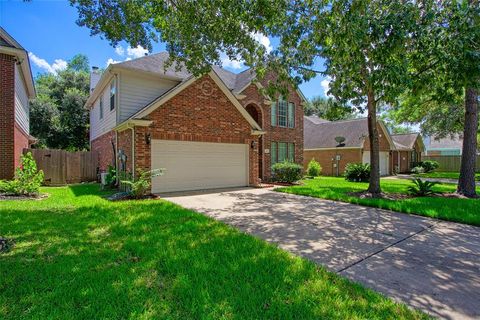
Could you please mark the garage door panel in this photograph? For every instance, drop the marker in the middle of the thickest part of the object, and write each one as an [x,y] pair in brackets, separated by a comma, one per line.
[384,161]
[198,165]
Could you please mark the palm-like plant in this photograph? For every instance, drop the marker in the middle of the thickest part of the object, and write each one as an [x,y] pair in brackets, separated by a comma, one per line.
[421,188]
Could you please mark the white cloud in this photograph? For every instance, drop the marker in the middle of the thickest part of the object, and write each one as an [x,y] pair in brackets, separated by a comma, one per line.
[58,64]
[326,86]
[229,63]
[111,61]
[137,52]
[120,51]
[262,39]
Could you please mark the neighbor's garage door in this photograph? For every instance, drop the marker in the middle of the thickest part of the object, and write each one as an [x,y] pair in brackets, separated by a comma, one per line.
[384,161]
[198,165]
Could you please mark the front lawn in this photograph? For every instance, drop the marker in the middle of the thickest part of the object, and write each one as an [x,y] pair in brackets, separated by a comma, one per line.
[443,175]
[78,256]
[452,209]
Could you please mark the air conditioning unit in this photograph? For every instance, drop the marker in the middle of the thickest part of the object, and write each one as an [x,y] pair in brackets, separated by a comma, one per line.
[103,178]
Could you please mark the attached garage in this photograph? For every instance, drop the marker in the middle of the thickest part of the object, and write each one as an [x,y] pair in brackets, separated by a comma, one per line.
[198,165]
[384,161]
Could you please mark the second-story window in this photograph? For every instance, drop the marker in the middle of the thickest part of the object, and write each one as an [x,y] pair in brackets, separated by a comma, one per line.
[113,92]
[101,107]
[283,114]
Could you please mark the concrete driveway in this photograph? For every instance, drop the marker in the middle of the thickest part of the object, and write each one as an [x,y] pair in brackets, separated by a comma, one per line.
[427,264]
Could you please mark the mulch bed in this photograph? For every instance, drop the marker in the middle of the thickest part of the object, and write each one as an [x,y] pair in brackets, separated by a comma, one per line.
[123,196]
[383,195]
[6,196]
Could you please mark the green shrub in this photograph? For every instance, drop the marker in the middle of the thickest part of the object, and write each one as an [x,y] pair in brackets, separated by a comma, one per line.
[111,177]
[418,170]
[357,172]
[421,188]
[140,186]
[429,165]
[314,168]
[28,178]
[286,172]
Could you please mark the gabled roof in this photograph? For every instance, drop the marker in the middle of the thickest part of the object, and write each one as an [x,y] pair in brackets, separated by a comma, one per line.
[9,46]
[322,135]
[155,63]
[315,119]
[406,141]
[158,102]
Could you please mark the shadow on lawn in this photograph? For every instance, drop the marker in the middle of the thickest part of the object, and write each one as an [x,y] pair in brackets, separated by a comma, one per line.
[155,260]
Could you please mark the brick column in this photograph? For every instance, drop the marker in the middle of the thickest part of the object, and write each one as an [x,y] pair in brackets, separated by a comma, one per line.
[7,116]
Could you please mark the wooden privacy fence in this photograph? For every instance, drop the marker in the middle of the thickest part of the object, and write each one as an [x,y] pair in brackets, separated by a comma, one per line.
[63,167]
[450,163]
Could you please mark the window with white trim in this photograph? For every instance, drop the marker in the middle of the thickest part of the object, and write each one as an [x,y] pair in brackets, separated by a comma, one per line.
[113,92]
[283,114]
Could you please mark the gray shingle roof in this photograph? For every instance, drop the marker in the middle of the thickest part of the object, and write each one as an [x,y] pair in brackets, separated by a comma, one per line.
[445,143]
[322,135]
[315,119]
[404,141]
[155,63]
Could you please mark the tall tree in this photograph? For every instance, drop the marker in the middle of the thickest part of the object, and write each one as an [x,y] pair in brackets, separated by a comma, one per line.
[363,41]
[329,109]
[446,60]
[58,117]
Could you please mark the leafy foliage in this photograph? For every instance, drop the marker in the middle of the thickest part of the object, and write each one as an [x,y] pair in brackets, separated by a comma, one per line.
[357,172]
[57,116]
[314,168]
[329,109]
[140,186]
[286,172]
[421,188]
[111,177]
[418,170]
[28,178]
[429,165]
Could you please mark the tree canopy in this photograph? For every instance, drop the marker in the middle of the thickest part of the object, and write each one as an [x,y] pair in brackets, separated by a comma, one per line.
[57,116]
[329,109]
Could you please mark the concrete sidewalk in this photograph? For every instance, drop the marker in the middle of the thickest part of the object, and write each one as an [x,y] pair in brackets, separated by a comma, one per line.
[428,264]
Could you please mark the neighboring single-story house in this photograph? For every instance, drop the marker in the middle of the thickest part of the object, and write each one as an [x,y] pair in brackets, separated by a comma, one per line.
[450,146]
[213,131]
[16,89]
[337,143]
[409,148]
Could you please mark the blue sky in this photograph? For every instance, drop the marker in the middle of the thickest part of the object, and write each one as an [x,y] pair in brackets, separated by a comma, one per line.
[47,29]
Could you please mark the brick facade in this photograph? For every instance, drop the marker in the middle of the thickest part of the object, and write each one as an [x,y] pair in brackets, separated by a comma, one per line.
[8,151]
[21,142]
[326,158]
[196,114]
[406,158]
[103,146]
[274,133]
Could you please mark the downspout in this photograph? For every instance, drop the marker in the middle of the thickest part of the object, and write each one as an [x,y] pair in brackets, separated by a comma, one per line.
[133,153]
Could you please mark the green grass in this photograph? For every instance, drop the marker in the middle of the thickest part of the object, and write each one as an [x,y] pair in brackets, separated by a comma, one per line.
[451,209]
[78,256]
[443,175]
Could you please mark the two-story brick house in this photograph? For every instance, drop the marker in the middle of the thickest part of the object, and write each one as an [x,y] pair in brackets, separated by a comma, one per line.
[16,89]
[212,131]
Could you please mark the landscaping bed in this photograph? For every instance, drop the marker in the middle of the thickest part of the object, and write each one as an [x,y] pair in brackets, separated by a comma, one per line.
[444,204]
[79,256]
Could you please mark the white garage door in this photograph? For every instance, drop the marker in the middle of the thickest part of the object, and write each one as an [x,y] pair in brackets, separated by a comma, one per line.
[384,161]
[199,165]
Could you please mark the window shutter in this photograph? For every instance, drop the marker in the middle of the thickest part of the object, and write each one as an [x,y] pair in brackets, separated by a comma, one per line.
[273,110]
[113,91]
[101,107]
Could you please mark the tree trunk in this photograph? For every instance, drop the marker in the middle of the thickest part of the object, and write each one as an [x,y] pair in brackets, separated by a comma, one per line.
[374,185]
[466,182]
